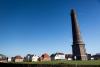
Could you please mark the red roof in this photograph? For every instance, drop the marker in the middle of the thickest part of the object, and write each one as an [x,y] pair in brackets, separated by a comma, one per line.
[18,57]
[45,55]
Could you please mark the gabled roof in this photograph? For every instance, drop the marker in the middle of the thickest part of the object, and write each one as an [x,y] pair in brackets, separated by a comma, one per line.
[45,55]
[57,54]
[18,57]
[2,55]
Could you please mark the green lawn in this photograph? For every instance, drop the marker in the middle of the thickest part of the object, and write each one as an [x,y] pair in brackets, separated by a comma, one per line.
[90,62]
[93,62]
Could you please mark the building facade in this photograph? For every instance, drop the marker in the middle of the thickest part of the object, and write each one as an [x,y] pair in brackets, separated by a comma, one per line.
[58,56]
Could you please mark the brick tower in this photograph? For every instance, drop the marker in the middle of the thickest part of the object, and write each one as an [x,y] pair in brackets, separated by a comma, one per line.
[78,46]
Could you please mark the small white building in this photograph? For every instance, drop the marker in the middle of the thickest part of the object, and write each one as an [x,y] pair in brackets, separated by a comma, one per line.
[9,59]
[69,58]
[92,58]
[35,58]
[58,56]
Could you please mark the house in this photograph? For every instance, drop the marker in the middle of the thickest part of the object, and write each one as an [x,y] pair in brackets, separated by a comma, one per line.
[12,59]
[96,56]
[34,58]
[92,58]
[3,58]
[58,56]
[9,59]
[89,56]
[18,58]
[68,56]
[28,58]
[31,58]
[44,57]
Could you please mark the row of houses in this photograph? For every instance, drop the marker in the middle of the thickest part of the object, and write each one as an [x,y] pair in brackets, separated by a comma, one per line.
[35,58]
[43,57]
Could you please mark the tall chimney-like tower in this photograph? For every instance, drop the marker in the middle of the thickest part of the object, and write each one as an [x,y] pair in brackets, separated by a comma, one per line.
[78,47]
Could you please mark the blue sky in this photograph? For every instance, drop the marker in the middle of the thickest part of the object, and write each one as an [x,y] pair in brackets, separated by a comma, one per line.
[44,26]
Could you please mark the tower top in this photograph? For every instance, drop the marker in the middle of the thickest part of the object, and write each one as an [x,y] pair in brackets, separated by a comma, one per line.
[72,10]
[75,28]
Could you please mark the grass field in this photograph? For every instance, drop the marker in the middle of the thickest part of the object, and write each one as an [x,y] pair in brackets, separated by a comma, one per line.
[90,62]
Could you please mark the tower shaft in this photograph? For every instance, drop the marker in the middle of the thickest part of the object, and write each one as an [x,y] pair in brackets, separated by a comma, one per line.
[78,47]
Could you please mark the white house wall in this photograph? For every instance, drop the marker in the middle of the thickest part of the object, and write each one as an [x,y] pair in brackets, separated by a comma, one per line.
[35,58]
[59,57]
